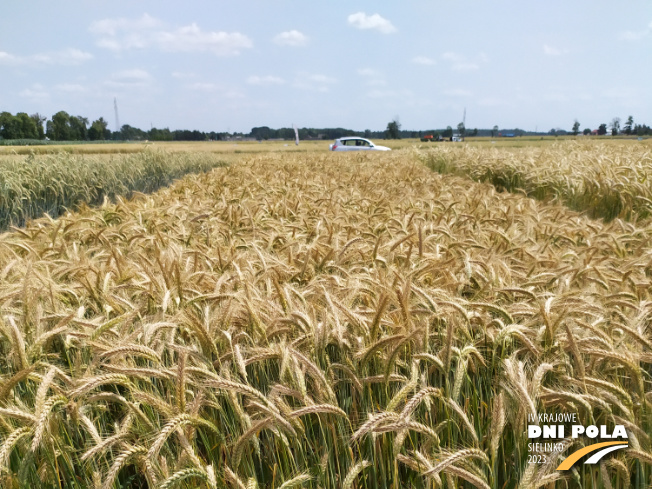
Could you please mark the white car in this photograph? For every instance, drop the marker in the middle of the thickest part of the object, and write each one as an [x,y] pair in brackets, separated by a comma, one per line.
[356,144]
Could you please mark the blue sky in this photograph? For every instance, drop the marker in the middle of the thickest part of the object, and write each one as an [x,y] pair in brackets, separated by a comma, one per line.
[229,66]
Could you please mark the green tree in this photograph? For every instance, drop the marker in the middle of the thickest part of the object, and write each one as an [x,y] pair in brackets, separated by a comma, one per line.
[494,132]
[393,130]
[586,131]
[26,126]
[576,128]
[58,129]
[260,133]
[448,132]
[129,133]
[165,135]
[642,130]
[602,129]
[99,130]
[78,128]
[9,126]
[629,125]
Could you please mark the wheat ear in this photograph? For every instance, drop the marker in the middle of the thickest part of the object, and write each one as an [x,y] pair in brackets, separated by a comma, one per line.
[353,473]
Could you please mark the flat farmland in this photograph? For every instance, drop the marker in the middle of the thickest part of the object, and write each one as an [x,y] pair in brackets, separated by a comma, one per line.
[606,179]
[243,147]
[302,318]
[235,147]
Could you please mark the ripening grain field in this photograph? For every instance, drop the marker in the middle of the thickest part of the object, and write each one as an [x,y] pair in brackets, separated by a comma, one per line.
[605,179]
[325,321]
[34,185]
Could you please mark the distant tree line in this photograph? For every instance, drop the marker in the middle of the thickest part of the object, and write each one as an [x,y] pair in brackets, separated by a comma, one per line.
[393,131]
[129,133]
[629,129]
[65,127]
[21,126]
[264,133]
[613,128]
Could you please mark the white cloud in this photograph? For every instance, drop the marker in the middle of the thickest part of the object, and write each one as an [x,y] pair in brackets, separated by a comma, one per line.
[215,89]
[135,78]
[291,38]
[361,20]
[377,93]
[7,58]
[374,78]
[234,95]
[406,97]
[65,57]
[423,60]
[458,92]
[368,72]
[33,94]
[125,34]
[264,80]
[465,67]
[191,38]
[321,79]
[71,88]
[633,35]
[376,82]
[182,75]
[459,62]
[450,56]
[36,92]
[621,93]
[135,74]
[111,27]
[554,51]
[204,87]
[314,82]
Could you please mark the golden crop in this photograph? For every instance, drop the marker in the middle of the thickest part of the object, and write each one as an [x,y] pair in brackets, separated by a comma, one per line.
[605,180]
[320,320]
[32,186]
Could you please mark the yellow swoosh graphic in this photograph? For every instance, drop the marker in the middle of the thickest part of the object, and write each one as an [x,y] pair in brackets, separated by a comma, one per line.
[575,456]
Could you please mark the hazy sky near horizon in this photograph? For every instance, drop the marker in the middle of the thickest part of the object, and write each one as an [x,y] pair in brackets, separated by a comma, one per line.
[230,66]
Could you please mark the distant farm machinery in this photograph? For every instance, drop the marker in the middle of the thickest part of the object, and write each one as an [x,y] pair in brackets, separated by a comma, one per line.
[430,138]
